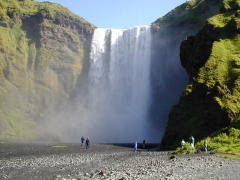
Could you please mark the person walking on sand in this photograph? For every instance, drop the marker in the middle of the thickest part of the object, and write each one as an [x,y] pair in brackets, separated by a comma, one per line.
[192,141]
[135,146]
[87,143]
[182,142]
[82,140]
[206,146]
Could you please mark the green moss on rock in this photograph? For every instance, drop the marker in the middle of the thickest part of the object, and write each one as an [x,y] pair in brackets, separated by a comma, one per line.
[43,47]
[212,101]
[191,15]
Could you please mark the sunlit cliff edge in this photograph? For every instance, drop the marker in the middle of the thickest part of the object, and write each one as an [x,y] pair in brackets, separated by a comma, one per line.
[43,47]
[209,108]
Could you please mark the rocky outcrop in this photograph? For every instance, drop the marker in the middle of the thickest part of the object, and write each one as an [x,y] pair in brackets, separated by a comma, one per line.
[169,78]
[211,100]
[43,48]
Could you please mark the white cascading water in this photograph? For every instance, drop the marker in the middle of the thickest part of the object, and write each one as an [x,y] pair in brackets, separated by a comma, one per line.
[119,85]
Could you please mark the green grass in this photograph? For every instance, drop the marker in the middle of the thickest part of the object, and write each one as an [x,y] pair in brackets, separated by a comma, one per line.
[192,14]
[222,68]
[230,157]
[230,5]
[226,140]
[225,53]
[16,127]
[221,20]
[185,149]
[10,8]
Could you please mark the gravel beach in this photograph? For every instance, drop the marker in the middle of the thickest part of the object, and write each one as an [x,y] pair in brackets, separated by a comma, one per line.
[72,161]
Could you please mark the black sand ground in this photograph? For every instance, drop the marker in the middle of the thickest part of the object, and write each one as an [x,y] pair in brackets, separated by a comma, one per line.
[71,161]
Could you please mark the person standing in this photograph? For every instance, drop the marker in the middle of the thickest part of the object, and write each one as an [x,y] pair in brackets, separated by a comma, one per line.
[192,141]
[87,143]
[135,146]
[182,142]
[144,144]
[206,146]
[82,140]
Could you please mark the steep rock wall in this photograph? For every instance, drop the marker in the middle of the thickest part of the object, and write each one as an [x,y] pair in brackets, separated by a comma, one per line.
[43,47]
[169,78]
[210,102]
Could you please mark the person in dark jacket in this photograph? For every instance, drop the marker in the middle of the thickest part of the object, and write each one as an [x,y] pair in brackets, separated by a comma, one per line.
[87,143]
[144,144]
[82,140]
[192,141]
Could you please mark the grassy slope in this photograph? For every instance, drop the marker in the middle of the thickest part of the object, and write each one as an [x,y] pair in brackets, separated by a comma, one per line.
[211,103]
[41,57]
[190,16]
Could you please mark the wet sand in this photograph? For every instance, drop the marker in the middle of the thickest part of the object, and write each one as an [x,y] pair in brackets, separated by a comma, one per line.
[72,161]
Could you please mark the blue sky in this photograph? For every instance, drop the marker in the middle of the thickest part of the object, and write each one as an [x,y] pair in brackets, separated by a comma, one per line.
[120,13]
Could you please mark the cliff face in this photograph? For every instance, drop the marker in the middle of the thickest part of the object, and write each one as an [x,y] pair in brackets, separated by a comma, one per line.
[43,47]
[211,102]
[169,78]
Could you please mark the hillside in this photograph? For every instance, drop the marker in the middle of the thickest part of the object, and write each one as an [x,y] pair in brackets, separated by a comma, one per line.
[43,47]
[210,105]
[169,78]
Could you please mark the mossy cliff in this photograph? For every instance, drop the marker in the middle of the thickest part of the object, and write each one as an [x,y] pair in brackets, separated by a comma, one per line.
[210,105]
[169,78]
[42,51]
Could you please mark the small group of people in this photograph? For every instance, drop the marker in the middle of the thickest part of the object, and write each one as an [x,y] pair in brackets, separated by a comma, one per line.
[192,142]
[87,142]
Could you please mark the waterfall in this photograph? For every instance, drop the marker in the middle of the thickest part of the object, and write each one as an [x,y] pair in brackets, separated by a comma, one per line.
[119,85]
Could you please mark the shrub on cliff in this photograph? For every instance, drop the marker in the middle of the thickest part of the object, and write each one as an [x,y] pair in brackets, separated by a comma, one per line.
[185,149]
[226,140]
